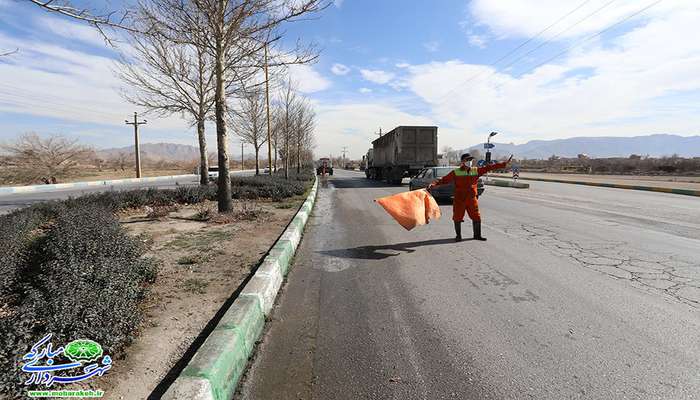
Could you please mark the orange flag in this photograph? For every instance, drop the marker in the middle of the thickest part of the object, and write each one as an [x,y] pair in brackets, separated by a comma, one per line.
[410,209]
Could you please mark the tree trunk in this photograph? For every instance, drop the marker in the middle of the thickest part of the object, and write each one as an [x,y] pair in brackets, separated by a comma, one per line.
[225,202]
[275,158]
[257,160]
[298,158]
[203,161]
[286,158]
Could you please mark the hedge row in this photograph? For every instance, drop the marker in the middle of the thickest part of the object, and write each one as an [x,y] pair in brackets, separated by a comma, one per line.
[78,275]
[67,267]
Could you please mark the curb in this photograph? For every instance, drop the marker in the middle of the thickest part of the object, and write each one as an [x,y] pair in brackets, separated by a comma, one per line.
[498,182]
[59,186]
[686,192]
[88,184]
[214,371]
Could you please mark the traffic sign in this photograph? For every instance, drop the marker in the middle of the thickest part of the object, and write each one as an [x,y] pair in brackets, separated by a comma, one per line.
[489,145]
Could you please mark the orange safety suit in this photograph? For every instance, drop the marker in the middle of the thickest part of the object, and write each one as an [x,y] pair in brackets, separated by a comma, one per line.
[465,196]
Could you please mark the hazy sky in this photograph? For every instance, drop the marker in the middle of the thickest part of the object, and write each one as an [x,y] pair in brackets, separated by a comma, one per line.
[530,69]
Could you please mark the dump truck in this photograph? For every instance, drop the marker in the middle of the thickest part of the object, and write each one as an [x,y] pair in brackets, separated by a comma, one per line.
[324,166]
[402,152]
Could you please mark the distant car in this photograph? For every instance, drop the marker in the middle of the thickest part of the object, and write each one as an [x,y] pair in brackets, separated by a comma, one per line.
[428,175]
[266,171]
[213,173]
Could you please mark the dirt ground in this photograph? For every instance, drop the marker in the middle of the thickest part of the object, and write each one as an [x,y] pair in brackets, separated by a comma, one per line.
[202,263]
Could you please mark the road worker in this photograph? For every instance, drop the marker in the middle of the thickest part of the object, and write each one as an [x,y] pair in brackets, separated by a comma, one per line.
[465,179]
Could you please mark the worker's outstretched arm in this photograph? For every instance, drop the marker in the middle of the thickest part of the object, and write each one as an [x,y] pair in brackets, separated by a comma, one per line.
[500,165]
[443,181]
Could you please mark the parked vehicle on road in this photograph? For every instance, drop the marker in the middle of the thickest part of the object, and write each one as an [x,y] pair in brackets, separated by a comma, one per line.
[324,164]
[402,152]
[428,175]
[213,173]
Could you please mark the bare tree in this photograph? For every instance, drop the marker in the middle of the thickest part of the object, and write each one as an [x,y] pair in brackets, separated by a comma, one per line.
[288,103]
[234,33]
[249,122]
[275,132]
[32,158]
[172,78]
[100,19]
[304,122]
[122,159]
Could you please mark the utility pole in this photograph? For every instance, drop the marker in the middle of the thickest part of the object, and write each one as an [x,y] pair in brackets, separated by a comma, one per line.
[136,124]
[380,132]
[241,155]
[345,150]
[267,102]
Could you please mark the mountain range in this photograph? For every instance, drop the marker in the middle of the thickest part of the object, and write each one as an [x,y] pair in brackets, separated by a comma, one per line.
[601,147]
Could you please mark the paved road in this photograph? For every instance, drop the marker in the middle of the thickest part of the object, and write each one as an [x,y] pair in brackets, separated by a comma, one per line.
[9,202]
[671,182]
[580,292]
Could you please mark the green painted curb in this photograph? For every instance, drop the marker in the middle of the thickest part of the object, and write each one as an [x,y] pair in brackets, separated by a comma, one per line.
[221,360]
[283,251]
[246,318]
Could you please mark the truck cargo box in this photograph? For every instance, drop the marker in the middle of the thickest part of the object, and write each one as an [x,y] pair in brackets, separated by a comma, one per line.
[406,145]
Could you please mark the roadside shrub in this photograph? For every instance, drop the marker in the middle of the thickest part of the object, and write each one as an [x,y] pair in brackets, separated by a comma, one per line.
[16,233]
[158,212]
[271,187]
[91,278]
[80,276]
[194,194]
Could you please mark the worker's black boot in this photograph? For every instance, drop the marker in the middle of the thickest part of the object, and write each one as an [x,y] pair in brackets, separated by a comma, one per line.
[477,231]
[458,231]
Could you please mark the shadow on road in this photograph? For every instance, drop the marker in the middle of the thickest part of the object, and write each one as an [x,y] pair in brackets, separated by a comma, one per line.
[354,183]
[380,252]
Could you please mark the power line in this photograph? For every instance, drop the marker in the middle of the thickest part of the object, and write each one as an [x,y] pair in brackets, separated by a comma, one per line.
[35,99]
[541,32]
[448,94]
[16,91]
[586,39]
[30,104]
[560,33]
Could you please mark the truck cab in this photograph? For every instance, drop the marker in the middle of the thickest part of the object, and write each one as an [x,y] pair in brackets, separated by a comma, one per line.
[324,165]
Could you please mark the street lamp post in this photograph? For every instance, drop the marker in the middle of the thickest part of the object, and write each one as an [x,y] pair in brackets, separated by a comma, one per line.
[488,149]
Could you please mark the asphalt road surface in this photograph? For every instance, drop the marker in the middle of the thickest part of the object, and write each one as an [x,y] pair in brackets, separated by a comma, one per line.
[579,293]
[11,201]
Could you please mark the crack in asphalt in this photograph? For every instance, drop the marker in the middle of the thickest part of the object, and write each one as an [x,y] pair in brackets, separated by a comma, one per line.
[664,273]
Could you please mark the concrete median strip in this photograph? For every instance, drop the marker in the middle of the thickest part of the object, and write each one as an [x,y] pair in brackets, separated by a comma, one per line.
[92,184]
[513,184]
[686,192]
[89,184]
[214,371]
